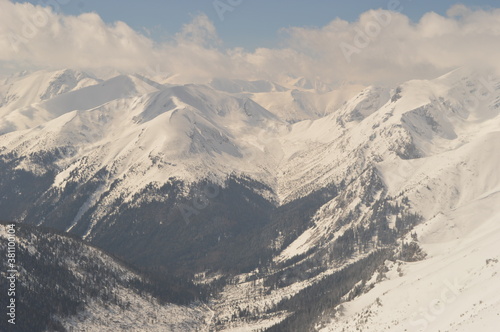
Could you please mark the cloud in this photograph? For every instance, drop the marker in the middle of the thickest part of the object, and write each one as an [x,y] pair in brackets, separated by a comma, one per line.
[381,47]
[199,31]
[385,46]
[37,36]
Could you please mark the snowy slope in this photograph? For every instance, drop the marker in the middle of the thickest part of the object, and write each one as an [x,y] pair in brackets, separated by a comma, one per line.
[427,145]
[186,125]
[186,132]
[296,105]
[454,185]
[454,289]
[192,132]
[441,154]
[20,95]
[101,289]
[426,118]
[26,88]
[377,162]
[41,97]
[293,101]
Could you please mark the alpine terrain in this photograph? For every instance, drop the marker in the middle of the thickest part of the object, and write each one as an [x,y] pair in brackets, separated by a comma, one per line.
[142,204]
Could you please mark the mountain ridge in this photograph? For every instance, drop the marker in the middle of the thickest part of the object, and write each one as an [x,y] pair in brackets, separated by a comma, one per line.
[212,183]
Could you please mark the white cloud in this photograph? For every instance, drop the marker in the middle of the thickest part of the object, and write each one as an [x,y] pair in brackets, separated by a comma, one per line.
[199,31]
[38,36]
[393,48]
[380,47]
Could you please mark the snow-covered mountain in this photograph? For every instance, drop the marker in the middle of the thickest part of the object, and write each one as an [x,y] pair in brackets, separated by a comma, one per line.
[89,290]
[455,288]
[296,100]
[22,94]
[271,194]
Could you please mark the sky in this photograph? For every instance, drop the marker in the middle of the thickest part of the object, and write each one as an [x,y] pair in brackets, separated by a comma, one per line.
[245,23]
[364,41]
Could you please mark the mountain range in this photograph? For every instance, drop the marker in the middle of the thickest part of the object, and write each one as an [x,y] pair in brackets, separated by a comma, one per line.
[255,205]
